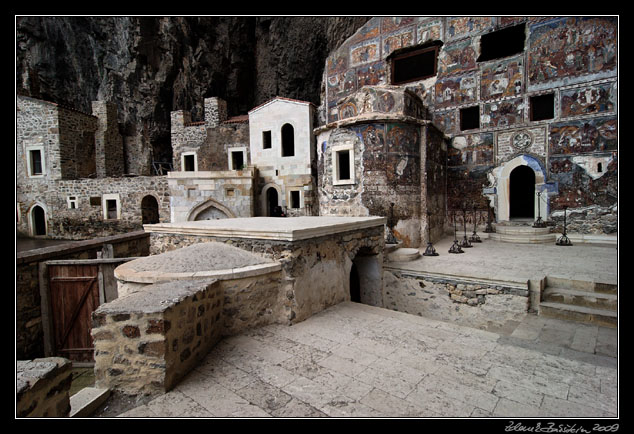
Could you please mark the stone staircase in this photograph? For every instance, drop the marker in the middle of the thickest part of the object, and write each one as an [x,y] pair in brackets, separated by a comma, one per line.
[522,233]
[575,300]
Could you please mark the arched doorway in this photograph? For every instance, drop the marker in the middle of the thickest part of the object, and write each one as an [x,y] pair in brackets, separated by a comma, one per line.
[38,221]
[149,210]
[272,201]
[522,193]
[355,284]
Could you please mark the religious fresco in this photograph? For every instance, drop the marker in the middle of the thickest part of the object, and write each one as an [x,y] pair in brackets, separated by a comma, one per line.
[429,31]
[372,74]
[452,91]
[502,79]
[502,113]
[570,47]
[365,52]
[456,58]
[471,149]
[588,100]
[373,138]
[400,39]
[583,136]
[459,27]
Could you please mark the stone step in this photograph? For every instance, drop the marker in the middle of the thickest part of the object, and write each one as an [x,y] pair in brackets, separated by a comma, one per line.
[520,230]
[403,254]
[527,237]
[577,297]
[87,400]
[581,285]
[587,315]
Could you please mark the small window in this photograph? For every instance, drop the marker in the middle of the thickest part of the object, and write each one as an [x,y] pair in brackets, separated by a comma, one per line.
[295,199]
[111,209]
[189,162]
[266,140]
[288,140]
[542,107]
[599,167]
[72,202]
[35,157]
[237,160]
[414,65]
[95,201]
[343,165]
[469,118]
[502,43]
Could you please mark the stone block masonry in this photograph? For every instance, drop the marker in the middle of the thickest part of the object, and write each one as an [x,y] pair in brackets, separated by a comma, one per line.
[42,387]
[147,341]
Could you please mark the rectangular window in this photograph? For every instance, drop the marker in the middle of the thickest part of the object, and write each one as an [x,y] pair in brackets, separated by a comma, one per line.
[295,199]
[111,206]
[237,160]
[414,65]
[111,209]
[190,163]
[35,157]
[343,164]
[72,202]
[542,107]
[266,140]
[502,43]
[469,118]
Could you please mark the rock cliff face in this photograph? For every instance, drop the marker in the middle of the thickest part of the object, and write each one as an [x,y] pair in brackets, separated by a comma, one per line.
[150,66]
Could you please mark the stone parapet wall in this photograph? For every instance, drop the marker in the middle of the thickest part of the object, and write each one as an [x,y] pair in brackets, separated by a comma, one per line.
[42,387]
[147,341]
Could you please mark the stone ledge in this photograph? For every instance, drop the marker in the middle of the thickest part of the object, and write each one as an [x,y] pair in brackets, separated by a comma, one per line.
[42,387]
[86,401]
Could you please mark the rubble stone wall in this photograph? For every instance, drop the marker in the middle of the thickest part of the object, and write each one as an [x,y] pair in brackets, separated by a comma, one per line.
[42,387]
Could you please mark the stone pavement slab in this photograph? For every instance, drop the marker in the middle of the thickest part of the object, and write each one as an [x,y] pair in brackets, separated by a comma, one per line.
[358,361]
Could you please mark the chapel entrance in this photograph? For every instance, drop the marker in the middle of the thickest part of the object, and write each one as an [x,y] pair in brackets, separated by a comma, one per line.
[271,201]
[38,221]
[522,193]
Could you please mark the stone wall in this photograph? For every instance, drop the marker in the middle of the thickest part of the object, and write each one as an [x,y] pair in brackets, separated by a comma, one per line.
[472,304]
[211,195]
[145,342]
[85,218]
[42,387]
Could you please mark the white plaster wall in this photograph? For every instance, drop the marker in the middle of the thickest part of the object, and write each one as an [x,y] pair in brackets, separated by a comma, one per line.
[271,117]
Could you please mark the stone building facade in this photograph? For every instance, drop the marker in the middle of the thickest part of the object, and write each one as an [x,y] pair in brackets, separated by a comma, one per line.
[528,104]
[71,178]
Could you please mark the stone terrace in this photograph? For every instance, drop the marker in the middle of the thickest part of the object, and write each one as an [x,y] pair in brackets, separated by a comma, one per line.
[354,360]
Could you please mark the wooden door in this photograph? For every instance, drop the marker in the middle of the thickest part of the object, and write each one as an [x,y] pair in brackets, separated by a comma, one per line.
[74,295]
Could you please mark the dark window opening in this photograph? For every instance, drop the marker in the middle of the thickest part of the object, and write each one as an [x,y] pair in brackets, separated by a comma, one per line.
[414,65]
[542,107]
[237,160]
[149,210]
[469,118]
[266,139]
[295,203]
[288,140]
[189,163]
[502,43]
[343,163]
[111,209]
[599,167]
[95,201]
[36,162]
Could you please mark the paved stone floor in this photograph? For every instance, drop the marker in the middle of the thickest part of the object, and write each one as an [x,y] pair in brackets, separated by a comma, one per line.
[353,360]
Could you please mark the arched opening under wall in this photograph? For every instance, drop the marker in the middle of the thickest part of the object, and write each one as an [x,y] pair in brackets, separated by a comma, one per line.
[272,202]
[522,193]
[209,210]
[288,140]
[366,278]
[149,210]
[38,221]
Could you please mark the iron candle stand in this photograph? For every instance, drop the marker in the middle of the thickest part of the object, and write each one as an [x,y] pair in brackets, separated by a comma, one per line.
[455,247]
[489,229]
[474,236]
[564,240]
[465,242]
[539,223]
[429,251]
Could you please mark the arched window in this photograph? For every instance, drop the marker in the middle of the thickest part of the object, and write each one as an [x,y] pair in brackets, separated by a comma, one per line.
[288,140]
[149,210]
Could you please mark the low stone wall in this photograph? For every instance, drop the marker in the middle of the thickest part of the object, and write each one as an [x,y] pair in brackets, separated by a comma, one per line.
[473,304]
[145,342]
[42,387]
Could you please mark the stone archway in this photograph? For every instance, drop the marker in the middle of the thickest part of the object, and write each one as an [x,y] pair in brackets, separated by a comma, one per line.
[209,210]
[269,198]
[37,218]
[534,183]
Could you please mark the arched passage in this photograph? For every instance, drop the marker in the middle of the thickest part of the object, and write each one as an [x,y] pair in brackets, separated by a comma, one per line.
[355,284]
[272,201]
[38,220]
[366,281]
[149,210]
[522,193]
